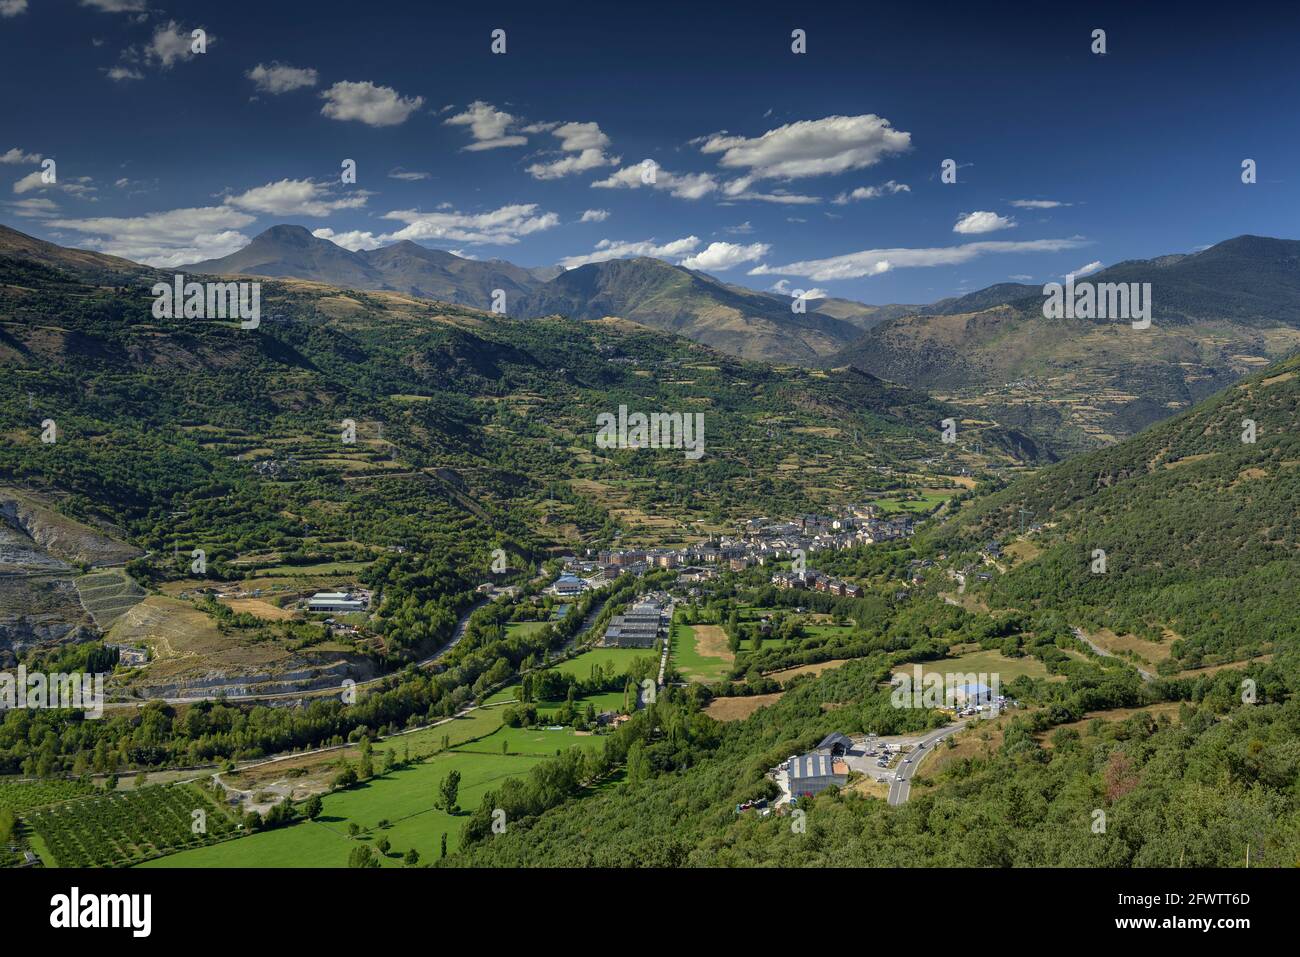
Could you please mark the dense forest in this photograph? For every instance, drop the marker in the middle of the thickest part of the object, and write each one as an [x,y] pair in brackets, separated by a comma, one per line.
[1197,518]
[1194,792]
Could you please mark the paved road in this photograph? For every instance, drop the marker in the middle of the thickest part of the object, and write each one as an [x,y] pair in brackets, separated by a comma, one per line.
[899,790]
[587,622]
[1078,633]
[457,634]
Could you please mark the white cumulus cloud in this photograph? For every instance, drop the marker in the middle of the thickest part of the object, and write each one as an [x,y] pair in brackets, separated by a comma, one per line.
[368,103]
[500,226]
[871,192]
[608,249]
[76,186]
[16,157]
[165,239]
[119,73]
[833,144]
[681,185]
[295,197]
[353,239]
[720,256]
[280,78]
[594,216]
[982,221]
[171,43]
[487,125]
[583,146]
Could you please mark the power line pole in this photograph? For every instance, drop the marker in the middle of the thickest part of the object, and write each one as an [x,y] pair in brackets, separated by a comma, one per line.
[1023,513]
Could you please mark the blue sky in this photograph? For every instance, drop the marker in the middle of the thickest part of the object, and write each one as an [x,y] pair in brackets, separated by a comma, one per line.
[1065,158]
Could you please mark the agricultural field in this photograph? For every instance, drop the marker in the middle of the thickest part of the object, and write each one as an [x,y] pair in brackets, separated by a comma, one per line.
[700,652]
[19,794]
[1147,654]
[464,728]
[257,607]
[740,708]
[785,674]
[922,501]
[482,750]
[305,774]
[984,662]
[581,667]
[123,828]
[622,658]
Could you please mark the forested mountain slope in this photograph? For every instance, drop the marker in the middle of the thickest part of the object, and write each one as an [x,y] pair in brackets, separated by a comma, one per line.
[1200,529]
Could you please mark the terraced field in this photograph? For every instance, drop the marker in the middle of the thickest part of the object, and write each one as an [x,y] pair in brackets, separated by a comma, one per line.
[108,595]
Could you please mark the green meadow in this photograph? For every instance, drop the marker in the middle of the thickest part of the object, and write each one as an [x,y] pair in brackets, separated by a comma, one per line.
[479,722]
[925,502]
[690,662]
[524,627]
[622,658]
[405,798]
[533,742]
[482,750]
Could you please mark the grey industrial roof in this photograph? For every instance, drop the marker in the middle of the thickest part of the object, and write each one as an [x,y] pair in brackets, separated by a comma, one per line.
[811,766]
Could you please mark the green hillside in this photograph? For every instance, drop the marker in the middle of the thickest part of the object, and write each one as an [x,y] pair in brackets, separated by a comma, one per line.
[1199,528]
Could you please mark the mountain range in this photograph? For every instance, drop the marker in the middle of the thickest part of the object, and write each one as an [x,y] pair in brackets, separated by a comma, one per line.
[746,323]
[1217,315]
[1072,384]
[292,251]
